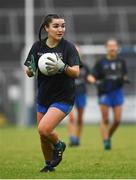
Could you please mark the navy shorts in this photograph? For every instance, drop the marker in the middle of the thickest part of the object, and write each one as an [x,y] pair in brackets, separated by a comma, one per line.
[112,99]
[66,108]
[80,100]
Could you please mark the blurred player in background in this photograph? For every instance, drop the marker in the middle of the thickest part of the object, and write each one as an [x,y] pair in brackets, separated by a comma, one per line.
[75,124]
[110,74]
[56,91]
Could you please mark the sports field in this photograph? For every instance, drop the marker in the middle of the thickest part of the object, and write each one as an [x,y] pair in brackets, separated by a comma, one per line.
[20,155]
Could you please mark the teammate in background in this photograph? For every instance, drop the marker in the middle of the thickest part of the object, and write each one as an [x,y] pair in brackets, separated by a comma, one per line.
[55,92]
[110,74]
[75,127]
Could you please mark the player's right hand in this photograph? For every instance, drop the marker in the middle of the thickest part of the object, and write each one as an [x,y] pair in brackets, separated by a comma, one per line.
[31,70]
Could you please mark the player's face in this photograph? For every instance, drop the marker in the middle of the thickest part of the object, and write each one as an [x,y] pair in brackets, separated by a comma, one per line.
[56,29]
[112,48]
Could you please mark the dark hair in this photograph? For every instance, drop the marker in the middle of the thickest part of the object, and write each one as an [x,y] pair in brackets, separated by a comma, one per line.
[47,20]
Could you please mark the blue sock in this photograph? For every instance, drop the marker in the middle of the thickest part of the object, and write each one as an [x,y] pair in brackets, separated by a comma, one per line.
[74,140]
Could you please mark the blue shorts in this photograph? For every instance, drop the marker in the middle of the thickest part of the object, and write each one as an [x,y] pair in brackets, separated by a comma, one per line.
[66,108]
[80,100]
[112,99]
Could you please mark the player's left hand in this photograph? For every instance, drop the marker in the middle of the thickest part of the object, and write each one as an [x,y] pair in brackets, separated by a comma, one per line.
[31,66]
[55,66]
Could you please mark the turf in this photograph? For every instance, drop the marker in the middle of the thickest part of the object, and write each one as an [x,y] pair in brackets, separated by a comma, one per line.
[20,155]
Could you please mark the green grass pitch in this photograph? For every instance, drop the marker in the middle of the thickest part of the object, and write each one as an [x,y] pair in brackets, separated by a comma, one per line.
[20,155]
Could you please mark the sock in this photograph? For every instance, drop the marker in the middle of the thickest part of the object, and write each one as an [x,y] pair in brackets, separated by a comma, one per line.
[74,140]
[107,143]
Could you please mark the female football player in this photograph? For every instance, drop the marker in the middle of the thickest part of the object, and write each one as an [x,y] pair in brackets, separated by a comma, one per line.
[75,125]
[110,74]
[55,91]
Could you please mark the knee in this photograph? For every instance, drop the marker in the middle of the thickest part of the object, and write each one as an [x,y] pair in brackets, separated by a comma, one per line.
[43,131]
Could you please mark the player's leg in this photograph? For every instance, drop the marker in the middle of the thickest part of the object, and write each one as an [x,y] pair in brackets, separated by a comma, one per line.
[46,127]
[117,111]
[45,144]
[70,125]
[48,123]
[104,126]
[80,103]
[71,128]
[118,100]
[76,129]
[46,147]
[105,103]
[80,112]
